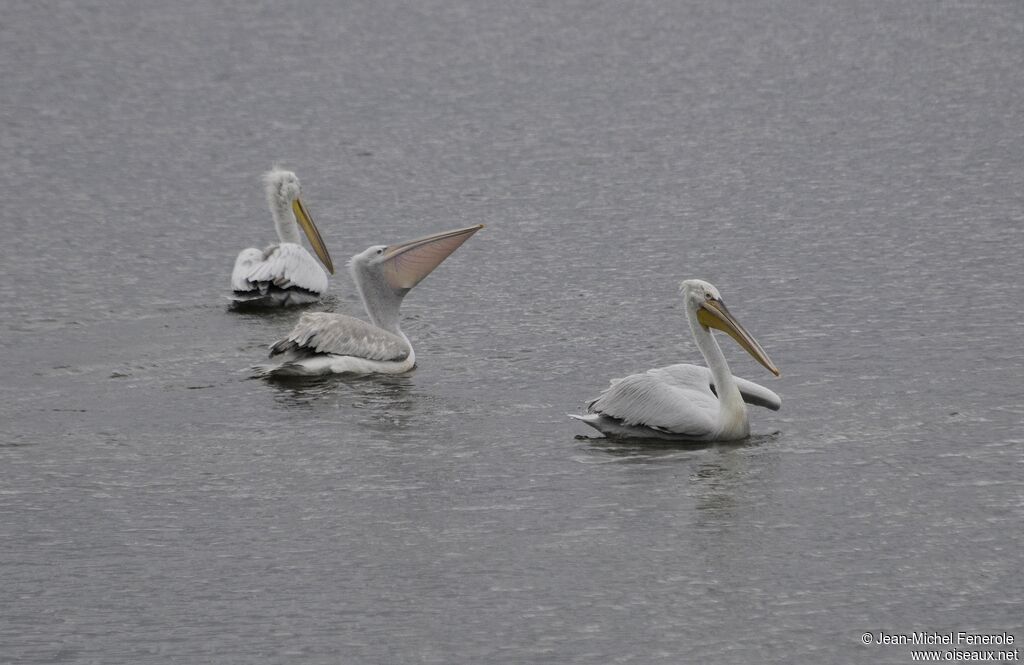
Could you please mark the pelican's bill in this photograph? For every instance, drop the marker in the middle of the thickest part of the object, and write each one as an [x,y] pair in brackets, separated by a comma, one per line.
[309,228]
[405,265]
[713,314]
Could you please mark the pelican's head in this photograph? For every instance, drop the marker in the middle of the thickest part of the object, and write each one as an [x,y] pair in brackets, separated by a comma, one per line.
[283,193]
[705,307]
[404,265]
[282,187]
[385,273]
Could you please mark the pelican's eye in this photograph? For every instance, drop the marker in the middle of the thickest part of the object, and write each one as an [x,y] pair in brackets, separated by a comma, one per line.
[380,251]
[708,296]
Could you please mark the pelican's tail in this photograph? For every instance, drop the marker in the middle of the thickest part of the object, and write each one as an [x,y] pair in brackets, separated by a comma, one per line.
[272,298]
[253,300]
[592,419]
[310,365]
[613,428]
[271,370]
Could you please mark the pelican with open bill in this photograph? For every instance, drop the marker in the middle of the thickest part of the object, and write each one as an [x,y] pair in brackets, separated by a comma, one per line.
[326,343]
[286,273]
[688,402]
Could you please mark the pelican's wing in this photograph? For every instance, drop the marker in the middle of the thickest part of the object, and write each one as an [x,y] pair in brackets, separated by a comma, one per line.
[244,264]
[337,334]
[678,401]
[752,393]
[284,266]
[757,394]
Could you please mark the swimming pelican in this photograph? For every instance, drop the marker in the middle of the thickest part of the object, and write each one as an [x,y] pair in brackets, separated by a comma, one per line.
[325,343]
[688,402]
[282,274]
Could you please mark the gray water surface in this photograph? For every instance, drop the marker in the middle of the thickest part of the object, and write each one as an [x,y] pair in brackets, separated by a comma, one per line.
[849,174]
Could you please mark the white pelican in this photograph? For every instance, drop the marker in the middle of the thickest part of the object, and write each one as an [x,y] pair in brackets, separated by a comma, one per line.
[688,402]
[325,343]
[282,274]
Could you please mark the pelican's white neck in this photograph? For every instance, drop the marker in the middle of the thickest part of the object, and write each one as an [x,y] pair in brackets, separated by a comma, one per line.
[381,302]
[284,221]
[733,410]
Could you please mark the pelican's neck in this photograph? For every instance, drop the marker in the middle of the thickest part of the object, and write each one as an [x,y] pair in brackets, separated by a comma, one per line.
[725,385]
[284,221]
[381,302]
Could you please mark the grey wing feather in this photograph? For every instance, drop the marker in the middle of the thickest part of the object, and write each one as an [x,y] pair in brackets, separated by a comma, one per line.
[244,264]
[752,393]
[649,400]
[285,266]
[337,334]
[758,395]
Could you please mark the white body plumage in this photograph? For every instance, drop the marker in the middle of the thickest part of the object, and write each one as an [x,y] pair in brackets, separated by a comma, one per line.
[286,273]
[687,402]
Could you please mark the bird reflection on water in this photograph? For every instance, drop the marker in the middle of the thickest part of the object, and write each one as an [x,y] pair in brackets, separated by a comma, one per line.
[379,403]
[640,450]
[715,475]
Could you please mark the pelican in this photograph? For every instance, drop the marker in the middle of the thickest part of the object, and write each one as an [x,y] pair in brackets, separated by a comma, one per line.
[326,343]
[282,274]
[688,402]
